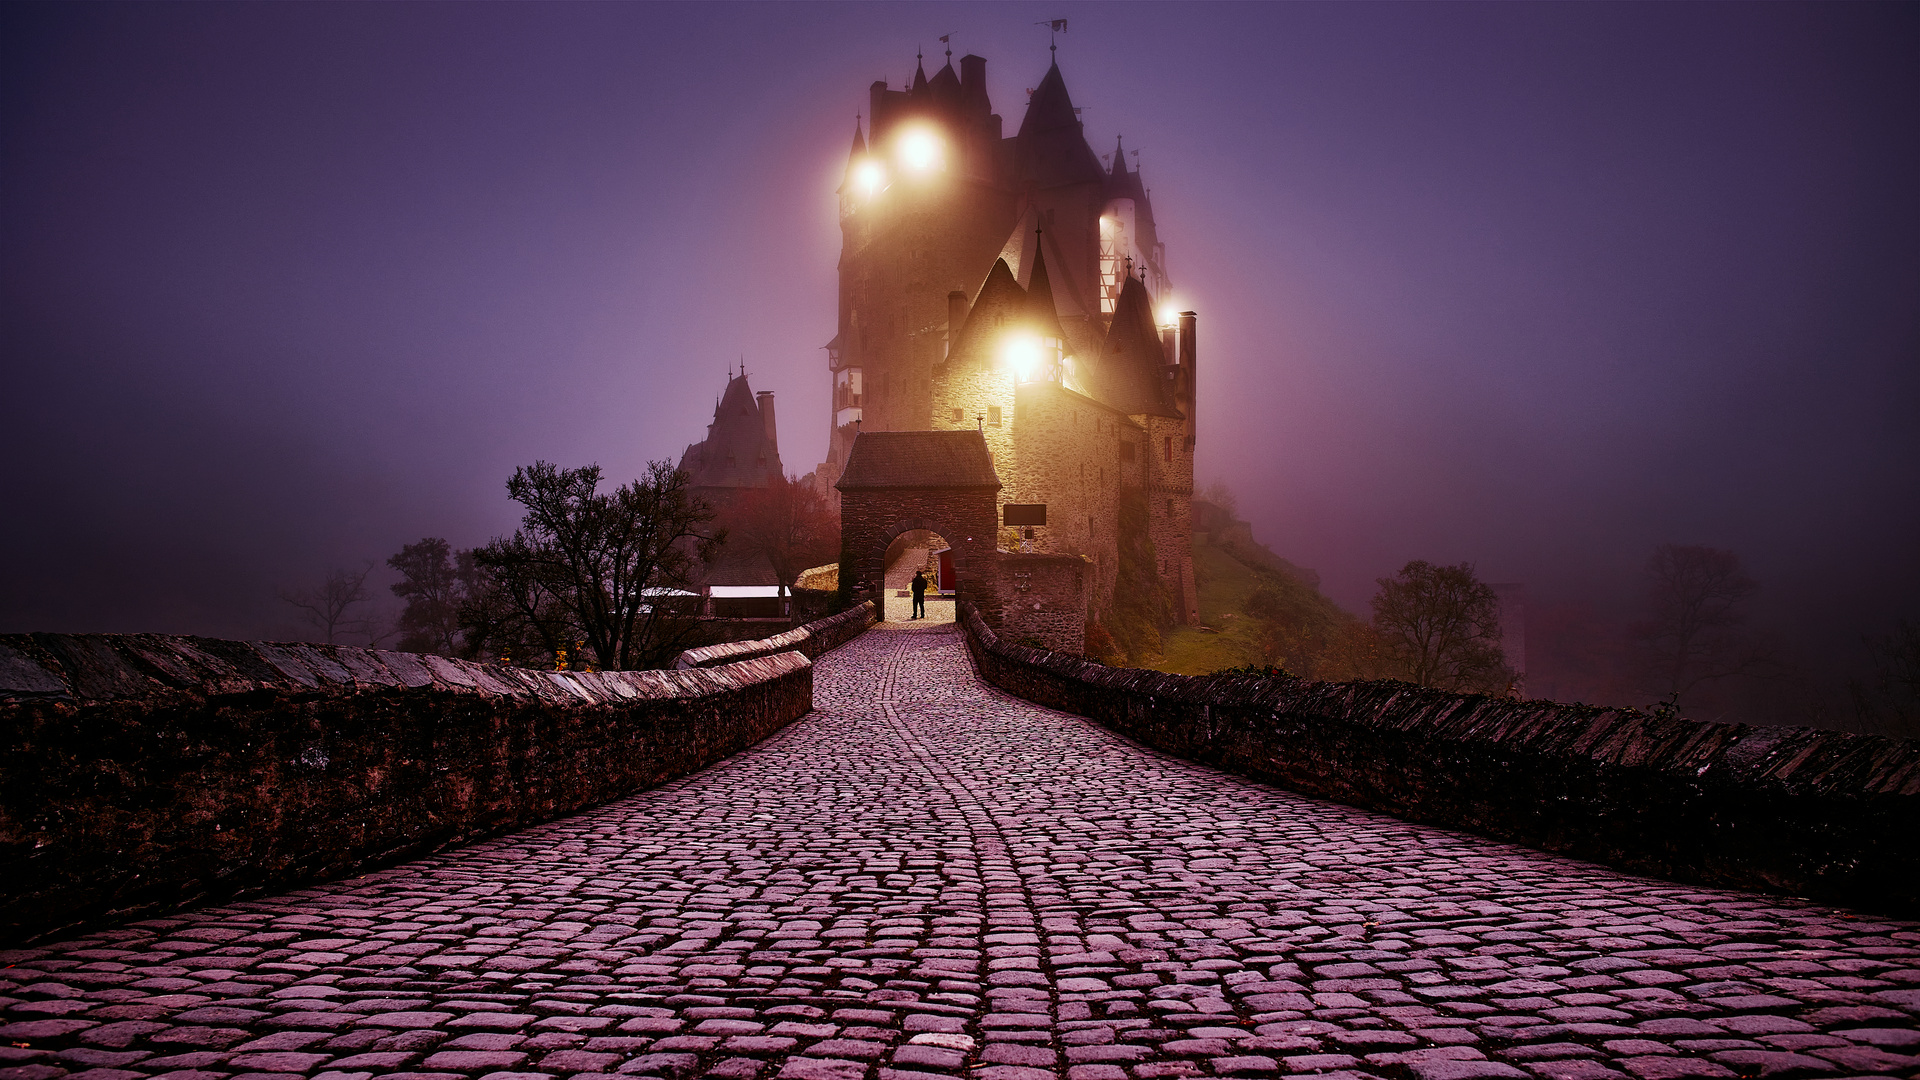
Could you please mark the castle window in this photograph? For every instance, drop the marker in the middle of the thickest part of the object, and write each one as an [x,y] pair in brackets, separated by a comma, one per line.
[957,414]
[1089,526]
[993,416]
[1169,507]
[1168,442]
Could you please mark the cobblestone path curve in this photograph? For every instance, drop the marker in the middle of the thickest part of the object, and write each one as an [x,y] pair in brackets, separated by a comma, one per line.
[926,877]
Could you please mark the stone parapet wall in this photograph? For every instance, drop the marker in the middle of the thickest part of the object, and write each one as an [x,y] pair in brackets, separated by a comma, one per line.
[811,640]
[1823,814]
[142,773]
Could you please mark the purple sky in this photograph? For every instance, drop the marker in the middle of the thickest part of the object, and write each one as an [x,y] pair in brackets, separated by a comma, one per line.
[1533,286]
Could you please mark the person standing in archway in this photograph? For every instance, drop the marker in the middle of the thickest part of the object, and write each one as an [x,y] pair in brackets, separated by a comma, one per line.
[919,595]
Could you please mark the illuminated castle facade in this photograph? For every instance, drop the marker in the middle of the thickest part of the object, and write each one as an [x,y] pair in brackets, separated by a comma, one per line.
[1016,285]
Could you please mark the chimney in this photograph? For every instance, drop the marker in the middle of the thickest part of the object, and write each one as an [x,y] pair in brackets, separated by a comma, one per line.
[973,84]
[765,400]
[956,315]
[1188,354]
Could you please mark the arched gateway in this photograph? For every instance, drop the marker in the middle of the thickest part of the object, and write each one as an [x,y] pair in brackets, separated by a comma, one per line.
[896,482]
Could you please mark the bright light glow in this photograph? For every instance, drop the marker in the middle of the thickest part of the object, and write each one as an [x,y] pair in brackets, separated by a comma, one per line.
[867,177]
[1023,356]
[920,149]
[1169,313]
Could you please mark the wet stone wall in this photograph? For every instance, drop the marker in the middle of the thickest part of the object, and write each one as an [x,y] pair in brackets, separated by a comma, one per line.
[1822,814]
[141,773]
[819,636]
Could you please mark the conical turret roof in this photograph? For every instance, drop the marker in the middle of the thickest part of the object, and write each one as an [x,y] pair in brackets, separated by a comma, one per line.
[1051,107]
[1052,149]
[999,295]
[945,84]
[854,155]
[1041,310]
[1132,371]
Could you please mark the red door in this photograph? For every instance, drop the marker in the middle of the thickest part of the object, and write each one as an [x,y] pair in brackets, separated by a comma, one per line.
[947,580]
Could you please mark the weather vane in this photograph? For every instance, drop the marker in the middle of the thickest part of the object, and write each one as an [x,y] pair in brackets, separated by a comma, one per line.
[1054,26]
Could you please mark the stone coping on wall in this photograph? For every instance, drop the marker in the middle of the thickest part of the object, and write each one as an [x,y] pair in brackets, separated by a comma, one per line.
[813,639]
[143,773]
[76,669]
[1823,814]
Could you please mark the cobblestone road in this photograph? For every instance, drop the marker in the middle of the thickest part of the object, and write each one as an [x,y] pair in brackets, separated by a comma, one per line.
[925,877]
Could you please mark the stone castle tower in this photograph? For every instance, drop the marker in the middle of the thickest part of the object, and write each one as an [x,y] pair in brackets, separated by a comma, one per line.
[741,450]
[1018,286]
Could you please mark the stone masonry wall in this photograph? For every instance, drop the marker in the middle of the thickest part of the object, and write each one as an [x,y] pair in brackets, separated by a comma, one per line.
[143,773]
[1067,455]
[870,519]
[1822,814]
[1044,597]
[811,640]
[1170,510]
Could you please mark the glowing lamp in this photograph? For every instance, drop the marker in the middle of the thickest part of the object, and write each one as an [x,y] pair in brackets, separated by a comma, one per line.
[1023,356]
[1169,313]
[920,149]
[868,176]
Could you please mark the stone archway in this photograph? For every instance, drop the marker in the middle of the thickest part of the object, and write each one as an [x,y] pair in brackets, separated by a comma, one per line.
[897,482]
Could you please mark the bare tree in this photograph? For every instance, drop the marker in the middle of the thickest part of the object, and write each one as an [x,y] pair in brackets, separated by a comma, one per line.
[1222,496]
[1696,600]
[788,523]
[328,606]
[1442,626]
[607,562]
[434,587]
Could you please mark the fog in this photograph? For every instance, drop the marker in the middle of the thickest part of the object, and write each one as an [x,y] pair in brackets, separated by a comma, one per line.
[1532,287]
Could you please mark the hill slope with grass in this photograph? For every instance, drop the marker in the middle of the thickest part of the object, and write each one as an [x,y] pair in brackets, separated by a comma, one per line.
[1259,609]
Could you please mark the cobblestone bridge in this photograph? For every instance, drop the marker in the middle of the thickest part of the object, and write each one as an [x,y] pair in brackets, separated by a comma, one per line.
[925,877]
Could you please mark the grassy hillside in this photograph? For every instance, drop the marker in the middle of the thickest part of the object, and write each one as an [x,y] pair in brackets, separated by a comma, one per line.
[1256,608]
[1230,637]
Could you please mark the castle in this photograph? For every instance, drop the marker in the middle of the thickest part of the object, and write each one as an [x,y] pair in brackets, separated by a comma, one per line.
[741,450]
[1016,286]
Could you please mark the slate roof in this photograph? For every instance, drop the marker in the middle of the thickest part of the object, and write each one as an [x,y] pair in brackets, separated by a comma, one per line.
[1131,371]
[919,459]
[736,452]
[1052,150]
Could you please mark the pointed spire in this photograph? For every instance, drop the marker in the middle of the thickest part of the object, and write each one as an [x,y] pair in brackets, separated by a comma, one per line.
[1119,156]
[1050,107]
[1040,305]
[1132,372]
[854,156]
[945,84]
[919,73]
